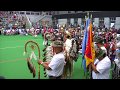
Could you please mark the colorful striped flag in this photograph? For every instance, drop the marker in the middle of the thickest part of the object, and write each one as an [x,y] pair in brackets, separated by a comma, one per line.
[90,51]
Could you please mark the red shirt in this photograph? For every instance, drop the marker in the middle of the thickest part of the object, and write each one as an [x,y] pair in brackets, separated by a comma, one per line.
[44,30]
[106,45]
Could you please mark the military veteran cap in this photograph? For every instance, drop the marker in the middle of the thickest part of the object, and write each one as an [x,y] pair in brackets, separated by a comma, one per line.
[101,53]
[98,40]
[57,43]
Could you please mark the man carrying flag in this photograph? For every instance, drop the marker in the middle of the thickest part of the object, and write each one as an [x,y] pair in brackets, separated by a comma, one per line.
[88,52]
[101,67]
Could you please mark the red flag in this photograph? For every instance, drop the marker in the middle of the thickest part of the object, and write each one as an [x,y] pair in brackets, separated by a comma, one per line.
[90,51]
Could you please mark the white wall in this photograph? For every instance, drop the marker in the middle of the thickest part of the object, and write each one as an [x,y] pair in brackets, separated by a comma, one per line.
[72,21]
[96,22]
[62,21]
[79,21]
[107,22]
[117,23]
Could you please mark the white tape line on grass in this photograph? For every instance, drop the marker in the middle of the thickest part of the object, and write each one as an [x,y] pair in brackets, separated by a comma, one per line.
[18,59]
[11,47]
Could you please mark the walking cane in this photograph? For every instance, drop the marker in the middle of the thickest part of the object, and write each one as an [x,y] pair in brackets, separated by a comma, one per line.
[38,55]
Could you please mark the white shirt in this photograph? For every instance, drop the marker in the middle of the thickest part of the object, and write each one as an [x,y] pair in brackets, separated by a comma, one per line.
[57,64]
[117,60]
[103,67]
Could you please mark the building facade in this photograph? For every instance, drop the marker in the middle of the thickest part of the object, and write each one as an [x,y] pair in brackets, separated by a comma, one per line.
[107,18]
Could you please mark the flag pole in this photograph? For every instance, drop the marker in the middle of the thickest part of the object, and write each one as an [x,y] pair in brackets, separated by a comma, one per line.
[88,14]
[90,70]
[82,59]
[91,16]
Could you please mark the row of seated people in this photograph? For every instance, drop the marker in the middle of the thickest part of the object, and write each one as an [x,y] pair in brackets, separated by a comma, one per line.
[20,31]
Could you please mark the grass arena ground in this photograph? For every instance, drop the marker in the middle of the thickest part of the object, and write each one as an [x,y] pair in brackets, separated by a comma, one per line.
[13,64]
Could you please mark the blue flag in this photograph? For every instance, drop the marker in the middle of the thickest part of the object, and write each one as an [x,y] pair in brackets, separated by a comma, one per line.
[84,42]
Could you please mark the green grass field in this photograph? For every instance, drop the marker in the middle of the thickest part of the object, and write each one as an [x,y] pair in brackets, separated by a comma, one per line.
[13,64]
